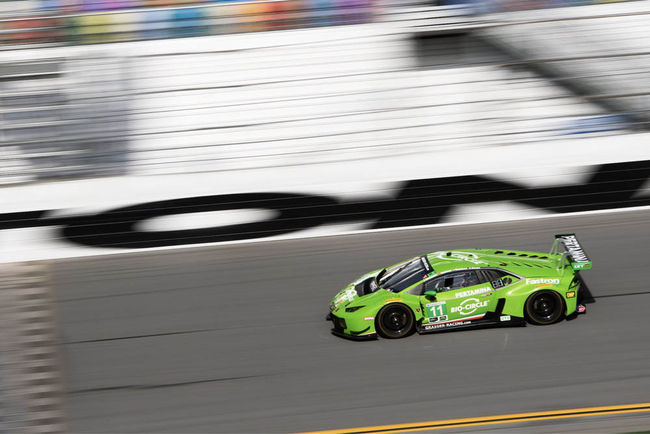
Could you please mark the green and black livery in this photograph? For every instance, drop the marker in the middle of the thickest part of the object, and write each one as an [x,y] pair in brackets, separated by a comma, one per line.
[467,288]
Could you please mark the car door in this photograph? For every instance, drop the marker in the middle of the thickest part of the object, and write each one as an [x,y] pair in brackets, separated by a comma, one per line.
[460,295]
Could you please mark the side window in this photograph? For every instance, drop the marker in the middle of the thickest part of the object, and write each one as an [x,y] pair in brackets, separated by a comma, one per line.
[497,278]
[453,281]
[491,275]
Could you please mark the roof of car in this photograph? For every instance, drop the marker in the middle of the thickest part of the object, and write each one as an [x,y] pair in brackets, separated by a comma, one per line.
[519,262]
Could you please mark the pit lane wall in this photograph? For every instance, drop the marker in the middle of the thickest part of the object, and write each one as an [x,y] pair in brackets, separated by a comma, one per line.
[129,214]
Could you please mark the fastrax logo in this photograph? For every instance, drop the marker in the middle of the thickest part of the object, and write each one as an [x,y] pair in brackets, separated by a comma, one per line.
[418,202]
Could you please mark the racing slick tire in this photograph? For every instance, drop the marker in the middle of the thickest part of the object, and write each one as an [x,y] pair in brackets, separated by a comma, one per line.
[544,307]
[395,321]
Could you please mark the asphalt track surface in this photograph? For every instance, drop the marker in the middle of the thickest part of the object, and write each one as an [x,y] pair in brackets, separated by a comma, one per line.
[233,338]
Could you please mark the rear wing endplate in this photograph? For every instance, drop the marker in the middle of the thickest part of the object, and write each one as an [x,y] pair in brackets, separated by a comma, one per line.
[572,250]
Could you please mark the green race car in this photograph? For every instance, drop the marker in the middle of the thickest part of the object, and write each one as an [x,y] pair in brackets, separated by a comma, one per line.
[459,289]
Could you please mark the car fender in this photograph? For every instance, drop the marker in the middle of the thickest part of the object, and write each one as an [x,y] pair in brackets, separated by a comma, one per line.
[516,299]
[406,303]
[411,303]
[383,298]
[372,304]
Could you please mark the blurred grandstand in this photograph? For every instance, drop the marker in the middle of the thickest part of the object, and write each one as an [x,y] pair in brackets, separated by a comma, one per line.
[352,79]
[99,21]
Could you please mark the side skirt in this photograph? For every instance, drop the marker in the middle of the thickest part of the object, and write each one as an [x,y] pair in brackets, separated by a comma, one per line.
[490,320]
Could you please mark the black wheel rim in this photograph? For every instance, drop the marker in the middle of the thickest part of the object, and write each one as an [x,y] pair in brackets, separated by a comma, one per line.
[544,306]
[395,320]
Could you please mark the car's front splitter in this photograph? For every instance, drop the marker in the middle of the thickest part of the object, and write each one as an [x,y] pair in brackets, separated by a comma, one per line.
[368,337]
[340,326]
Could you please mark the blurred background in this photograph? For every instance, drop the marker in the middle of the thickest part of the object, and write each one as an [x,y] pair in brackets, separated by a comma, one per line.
[352,80]
[128,126]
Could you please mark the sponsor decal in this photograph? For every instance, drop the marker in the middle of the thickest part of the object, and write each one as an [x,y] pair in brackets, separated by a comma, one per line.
[348,295]
[471,292]
[392,299]
[463,256]
[504,318]
[438,318]
[542,281]
[497,284]
[436,309]
[581,308]
[445,325]
[368,318]
[570,294]
[575,250]
[469,306]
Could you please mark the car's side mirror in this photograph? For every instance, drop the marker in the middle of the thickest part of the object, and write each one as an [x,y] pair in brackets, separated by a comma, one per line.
[430,293]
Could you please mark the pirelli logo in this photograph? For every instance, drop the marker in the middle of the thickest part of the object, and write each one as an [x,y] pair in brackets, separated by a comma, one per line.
[574,248]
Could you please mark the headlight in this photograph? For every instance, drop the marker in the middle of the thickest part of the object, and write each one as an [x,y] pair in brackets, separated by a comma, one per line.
[353,309]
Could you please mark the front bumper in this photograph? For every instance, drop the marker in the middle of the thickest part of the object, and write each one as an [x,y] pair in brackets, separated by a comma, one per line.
[340,326]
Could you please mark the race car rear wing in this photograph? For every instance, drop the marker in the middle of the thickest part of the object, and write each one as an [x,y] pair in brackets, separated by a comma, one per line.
[572,250]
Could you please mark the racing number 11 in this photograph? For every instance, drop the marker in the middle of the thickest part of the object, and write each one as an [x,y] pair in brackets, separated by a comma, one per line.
[436,309]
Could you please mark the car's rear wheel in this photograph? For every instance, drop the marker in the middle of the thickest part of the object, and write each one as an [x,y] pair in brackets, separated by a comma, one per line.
[395,321]
[544,307]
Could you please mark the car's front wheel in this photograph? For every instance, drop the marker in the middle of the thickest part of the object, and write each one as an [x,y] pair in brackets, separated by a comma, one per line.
[544,307]
[394,321]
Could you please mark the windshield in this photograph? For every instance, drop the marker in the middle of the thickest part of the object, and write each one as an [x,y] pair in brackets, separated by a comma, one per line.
[404,275]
